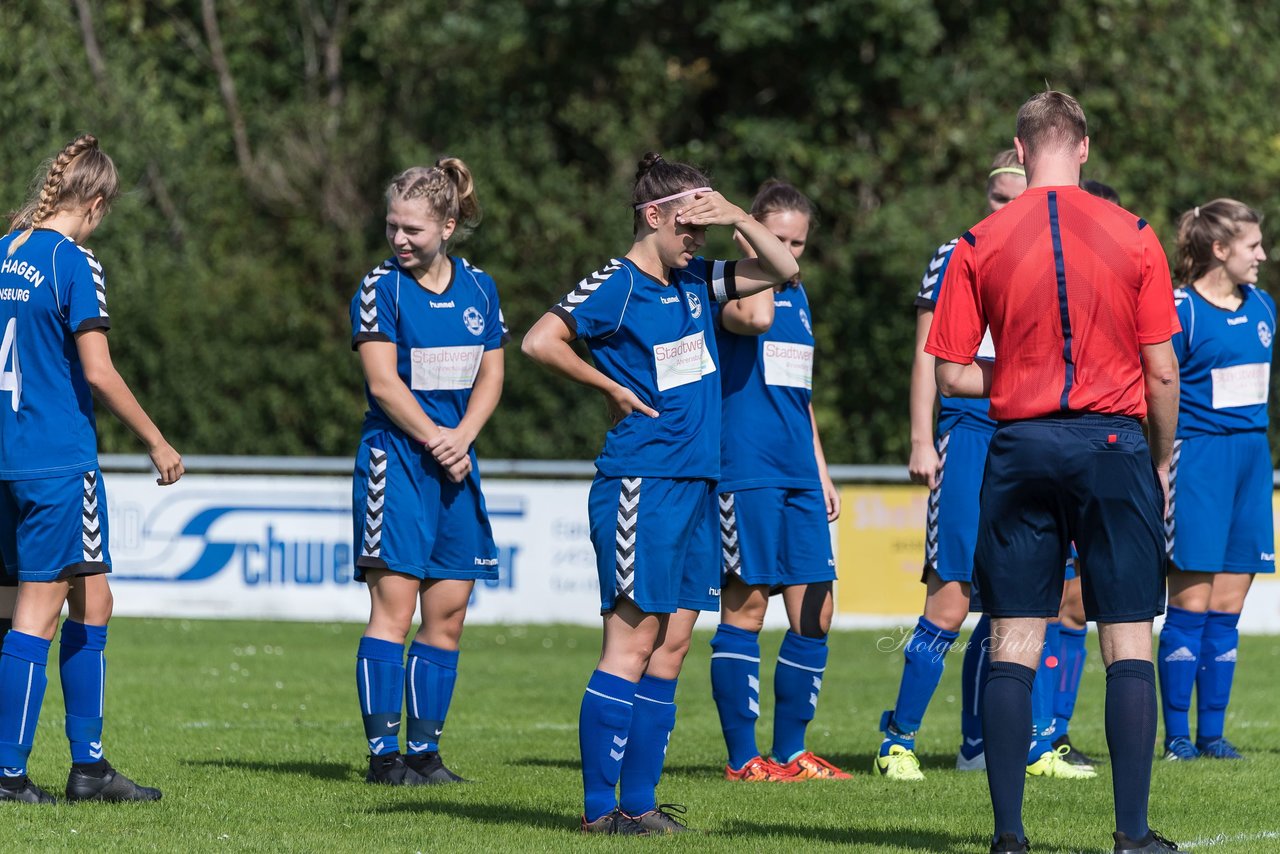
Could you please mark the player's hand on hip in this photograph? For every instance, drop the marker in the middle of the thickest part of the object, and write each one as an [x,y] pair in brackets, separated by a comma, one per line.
[710,208]
[448,446]
[924,464]
[168,463]
[621,401]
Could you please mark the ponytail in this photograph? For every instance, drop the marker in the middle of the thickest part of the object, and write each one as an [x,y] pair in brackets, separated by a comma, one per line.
[448,190]
[1217,221]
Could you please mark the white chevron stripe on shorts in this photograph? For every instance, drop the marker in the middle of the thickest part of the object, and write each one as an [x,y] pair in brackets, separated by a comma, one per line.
[1169,531]
[375,497]
[935,500]
[730,550]
[625,537]
[90,520]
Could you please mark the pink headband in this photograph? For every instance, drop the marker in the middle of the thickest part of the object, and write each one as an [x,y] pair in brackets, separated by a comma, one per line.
[673,197]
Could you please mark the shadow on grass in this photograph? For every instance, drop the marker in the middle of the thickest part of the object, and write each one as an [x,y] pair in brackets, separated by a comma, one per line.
[707,772]
[744,831]
[344,771]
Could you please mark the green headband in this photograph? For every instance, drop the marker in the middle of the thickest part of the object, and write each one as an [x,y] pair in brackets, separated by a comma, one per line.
[1008,170]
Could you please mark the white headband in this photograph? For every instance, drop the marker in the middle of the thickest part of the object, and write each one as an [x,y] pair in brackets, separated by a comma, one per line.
[673,197]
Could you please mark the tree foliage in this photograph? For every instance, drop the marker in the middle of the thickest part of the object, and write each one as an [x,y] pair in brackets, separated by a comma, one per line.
[257,139]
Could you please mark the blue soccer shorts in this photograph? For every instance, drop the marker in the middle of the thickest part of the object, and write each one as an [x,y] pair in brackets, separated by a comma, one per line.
[53,528]
[411,519]
[951,527]
[657,543]
[775,536]
[1087,478]
[1220,493]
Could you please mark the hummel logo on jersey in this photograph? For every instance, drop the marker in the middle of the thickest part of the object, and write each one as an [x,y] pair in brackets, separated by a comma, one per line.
[1227,657]
[473,320]
[434,304]
[782,303]
[1236,321]
[668,300]
[1267,556]
[1180,654]
[695,305]
[713,591]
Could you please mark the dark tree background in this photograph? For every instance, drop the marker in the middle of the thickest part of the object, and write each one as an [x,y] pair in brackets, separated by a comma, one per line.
[255,140]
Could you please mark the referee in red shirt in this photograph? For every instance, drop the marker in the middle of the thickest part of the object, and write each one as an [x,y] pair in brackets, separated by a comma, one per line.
[1077,295]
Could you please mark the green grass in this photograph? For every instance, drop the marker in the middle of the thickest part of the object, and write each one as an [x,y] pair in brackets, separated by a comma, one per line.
[252,730]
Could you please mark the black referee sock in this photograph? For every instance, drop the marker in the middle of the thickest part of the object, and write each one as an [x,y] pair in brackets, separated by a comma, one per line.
[1006,730]
[1131,738]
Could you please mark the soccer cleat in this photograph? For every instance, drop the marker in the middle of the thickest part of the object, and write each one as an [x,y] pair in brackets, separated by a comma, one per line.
[110,785]
[1073,756]
[390,769]
[662,820]
[761,770]
[1009,843]
[1180,749]
[899,764]
[1052,763]
[1218,748]
[22,790]
[1152,843]
[809,766]
[614,823]
[431,768]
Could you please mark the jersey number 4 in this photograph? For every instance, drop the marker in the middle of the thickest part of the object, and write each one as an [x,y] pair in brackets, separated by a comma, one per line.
[11,379]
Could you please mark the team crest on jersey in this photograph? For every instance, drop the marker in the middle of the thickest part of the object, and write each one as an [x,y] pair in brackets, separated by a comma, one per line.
[473,320]
[1264,333]
[695,304]
[804,318]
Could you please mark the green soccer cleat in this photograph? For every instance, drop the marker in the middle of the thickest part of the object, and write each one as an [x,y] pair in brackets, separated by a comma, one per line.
[899,764]
[1053,763]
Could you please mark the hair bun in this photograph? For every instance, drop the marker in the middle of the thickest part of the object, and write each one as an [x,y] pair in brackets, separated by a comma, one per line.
[650,160]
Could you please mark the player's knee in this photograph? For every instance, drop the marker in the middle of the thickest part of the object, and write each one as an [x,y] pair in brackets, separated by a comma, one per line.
[748,616]
[815,611]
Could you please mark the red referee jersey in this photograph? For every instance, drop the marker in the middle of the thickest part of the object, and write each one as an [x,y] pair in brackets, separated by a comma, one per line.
[1070,285]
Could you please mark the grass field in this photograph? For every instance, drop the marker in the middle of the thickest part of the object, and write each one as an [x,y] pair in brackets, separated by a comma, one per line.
[251,729]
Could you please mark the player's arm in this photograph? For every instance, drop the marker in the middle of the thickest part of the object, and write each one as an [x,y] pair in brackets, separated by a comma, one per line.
[971,380]
[923,464]
[378,358]
[110,389]
[1160,371]
[452,446]
[830,494]
[548,344]
[773,263]
[751,315]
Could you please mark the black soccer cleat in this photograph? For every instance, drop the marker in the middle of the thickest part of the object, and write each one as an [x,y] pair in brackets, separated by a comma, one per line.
[22,790]
[615,823]
[1074,756]
[390,769]
[431,767]
[665,819]
[101,782]
[1009,843]
[1152,843]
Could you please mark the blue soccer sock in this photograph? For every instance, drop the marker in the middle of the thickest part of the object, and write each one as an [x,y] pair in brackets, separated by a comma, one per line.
[83,668]
[924,660]
[380,687]
[652,720]
[604,725]
[1131,736]
[22,683]
[1178,654]
[1071,656]
[797,681]
[1042,694]
[1006,721]
[735,686]
[973,677]
[428,683]
[1217,670]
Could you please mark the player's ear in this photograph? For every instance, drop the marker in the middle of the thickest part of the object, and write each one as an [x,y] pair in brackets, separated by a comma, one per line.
[447,230]
[653,216]
[1021,149]
[1084,150]
[1220,251]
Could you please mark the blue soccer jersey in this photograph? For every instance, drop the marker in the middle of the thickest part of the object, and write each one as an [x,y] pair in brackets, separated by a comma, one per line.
[1225,362]
[658,341]
[767,383]
[954,411]
[440,338]
[50,289]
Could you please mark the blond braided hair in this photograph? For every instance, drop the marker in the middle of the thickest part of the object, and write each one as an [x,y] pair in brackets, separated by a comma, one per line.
[80,172]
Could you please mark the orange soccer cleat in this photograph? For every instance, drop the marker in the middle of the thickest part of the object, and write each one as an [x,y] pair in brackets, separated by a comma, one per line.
[808,766]
[761,770]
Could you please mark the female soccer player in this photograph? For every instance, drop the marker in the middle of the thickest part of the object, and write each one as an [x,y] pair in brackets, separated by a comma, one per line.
[959,451]
[1220,508]
[776,501]
[646,318]
[429,332]
[54,360]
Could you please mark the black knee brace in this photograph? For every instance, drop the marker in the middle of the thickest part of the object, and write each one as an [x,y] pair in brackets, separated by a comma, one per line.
[815,597]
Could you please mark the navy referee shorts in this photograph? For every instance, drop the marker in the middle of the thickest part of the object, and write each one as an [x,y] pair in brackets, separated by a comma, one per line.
[1049,481]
